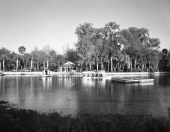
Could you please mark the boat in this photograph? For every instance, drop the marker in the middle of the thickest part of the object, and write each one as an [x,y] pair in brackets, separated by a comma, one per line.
[46,73]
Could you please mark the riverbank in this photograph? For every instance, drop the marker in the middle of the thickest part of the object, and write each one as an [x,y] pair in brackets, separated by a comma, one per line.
[21,120]
[40,73]
[80,73]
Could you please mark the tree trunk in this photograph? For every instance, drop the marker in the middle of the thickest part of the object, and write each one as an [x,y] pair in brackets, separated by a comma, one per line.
[17,64]
[47,64]
[131,66]
[142,66]
[135,64]
[116,67]
[157,65]
[31,65]
[97,66]
[3,63]
[102,66]
[44,65]
[0,66]
[24,63]
[90,66]
[37,66]
[108,66]
[123,66]
[111,68]
[86,67]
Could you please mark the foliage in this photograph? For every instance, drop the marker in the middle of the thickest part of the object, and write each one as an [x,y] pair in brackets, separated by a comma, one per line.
[164,63]
[70,54]
[21,49]
[21,120]
[107,48]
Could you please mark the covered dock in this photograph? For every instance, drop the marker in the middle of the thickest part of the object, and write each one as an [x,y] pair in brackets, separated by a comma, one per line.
[68,67]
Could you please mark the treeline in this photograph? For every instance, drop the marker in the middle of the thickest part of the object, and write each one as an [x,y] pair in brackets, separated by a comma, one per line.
[111,49]
[33,61]
[107,48]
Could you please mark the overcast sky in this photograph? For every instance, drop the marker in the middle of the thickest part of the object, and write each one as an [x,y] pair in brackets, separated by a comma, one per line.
[33,23]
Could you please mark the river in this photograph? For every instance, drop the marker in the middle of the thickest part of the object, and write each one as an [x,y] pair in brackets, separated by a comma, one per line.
[74,94]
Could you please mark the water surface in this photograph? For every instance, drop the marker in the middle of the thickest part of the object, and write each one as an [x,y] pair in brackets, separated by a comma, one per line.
[71,94]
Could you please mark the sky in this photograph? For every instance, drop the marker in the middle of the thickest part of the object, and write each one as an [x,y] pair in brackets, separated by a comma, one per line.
[37,23]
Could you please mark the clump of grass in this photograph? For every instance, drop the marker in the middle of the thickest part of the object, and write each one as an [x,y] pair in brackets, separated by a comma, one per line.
[21,120]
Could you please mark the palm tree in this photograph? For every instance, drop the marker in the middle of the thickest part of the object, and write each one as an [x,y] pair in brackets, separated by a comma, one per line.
[4,55]
[111,40]
[22,50]
[14,58]
[98,40]
[27,58]
[34,54]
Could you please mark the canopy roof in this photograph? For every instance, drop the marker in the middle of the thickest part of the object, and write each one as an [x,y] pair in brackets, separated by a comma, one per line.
[68,64]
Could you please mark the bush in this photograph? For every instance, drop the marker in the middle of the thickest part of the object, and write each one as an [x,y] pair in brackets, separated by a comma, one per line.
[21,120]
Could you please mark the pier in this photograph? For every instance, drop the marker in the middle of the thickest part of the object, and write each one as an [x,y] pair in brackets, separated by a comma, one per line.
[135,80]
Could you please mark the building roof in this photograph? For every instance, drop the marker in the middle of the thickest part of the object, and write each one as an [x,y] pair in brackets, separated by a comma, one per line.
[68,64]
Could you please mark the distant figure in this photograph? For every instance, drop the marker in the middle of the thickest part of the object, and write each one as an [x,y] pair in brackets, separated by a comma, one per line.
[45,72]
[139,69]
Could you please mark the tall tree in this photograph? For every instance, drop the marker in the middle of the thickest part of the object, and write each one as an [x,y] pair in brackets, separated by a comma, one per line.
[112,39]
[84,45]
[164,60]
[139,46]
[22,50]
[4,55]
[98,39]
[34,55]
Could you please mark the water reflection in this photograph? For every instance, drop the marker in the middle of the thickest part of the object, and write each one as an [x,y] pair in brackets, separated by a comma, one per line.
[86,95]
[47,83]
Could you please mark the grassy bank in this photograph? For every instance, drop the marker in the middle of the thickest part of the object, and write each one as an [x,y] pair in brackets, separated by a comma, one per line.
[20,120]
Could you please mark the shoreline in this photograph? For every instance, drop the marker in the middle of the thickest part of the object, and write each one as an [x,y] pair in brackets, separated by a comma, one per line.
[80,73]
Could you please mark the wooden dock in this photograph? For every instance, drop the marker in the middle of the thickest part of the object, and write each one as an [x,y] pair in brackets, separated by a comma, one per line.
[135,80]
